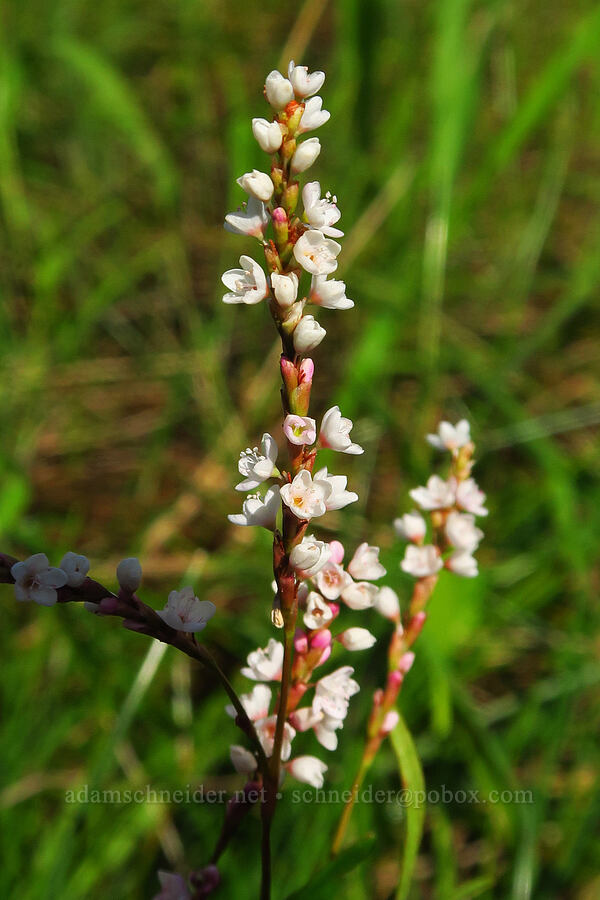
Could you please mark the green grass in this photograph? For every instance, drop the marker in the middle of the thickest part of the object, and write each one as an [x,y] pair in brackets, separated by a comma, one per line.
[464,149]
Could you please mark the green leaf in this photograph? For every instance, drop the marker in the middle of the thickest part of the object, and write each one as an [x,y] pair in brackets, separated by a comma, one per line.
[325,883]
[412,778]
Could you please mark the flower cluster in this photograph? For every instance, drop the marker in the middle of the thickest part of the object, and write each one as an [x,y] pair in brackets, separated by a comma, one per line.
[451,506]
[325,587]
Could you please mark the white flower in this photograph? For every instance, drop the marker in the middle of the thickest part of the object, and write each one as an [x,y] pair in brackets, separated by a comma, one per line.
[317,612]
[360,595]
[308,334]
[339,496]
[438,494]
[313,116]
[252,219]
[184,612]
[316,253]
[356,638]
[246,285]
[285,288]
[129,574]
[309,556]
[365,563]
[75,568]
[265,664]
[321,214]
[450,437]
[325,730]
[278,90]
[257,184]
[331,580]
[255,466]
[421,561]
[305,497]
[308,769]
[387,603]
[462,563]
[305,718]
[256,703]
[257,511]
[333,692]
[300,430]
[305,84]
[268,134]
[470,498]
[335,432]
[411,526]
[305,155]
[462,532]
[37,580]
[173,887]
[265,729]
[329,294]
[243,761]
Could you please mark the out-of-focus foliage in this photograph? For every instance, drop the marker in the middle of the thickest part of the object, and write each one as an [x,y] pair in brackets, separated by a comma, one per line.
[464,147]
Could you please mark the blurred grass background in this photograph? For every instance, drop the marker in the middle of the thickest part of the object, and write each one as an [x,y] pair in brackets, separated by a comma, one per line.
[464,147]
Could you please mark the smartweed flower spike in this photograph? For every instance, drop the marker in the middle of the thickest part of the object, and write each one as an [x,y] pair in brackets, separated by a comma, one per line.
[297,227]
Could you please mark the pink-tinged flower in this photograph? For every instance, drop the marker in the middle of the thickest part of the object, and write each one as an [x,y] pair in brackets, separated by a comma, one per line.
[335,432]
[411,527]
[129,574]
[268,135]
[333,692]
[321,214]
[331,580]
[406,662]
[462,532]
[470,498]
[300,430]
[360,595]
[462,563]
[305,84]
[451,437]
[305,155]
[173,887]
[242,760]
[309,556]
[257,184]
[285,288]
[246,285]
[278,90]
[252,219]
[387,603]
[313,116]
[365,565]
[316,253]
[325,731]
[75,568]
[438,494]
[37,580]
[257,511]
[256,703]
[304,497]
[308,334]
[265,664]
[329,294]
[265,729]
[257,466]
[308,769]
[305,718]
[356,639]
[421,561]
[336,548]
[184,612]
[339,496]
[390,721]
[317,612]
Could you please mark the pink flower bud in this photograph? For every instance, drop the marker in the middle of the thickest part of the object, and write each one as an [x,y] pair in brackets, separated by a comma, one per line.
[279,216]
[324,656]
[300,641]
[335,609]
[395,679]
[390,721]
[337,552]
[406,662]
[320,639]
[306,371]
